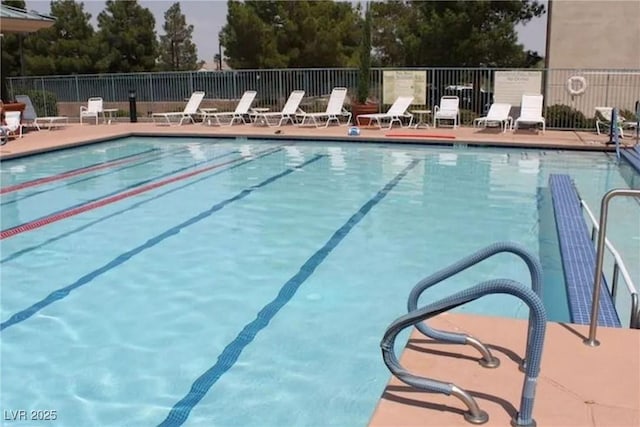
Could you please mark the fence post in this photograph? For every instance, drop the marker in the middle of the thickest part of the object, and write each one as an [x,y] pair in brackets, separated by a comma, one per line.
[46,113]
[77,89]
[113,89]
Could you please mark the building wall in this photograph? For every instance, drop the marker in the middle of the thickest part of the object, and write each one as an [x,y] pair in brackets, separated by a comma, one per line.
[590,36]
[594,34]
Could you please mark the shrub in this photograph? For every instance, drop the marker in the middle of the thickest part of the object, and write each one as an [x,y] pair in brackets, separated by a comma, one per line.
[563,116]
[628,115]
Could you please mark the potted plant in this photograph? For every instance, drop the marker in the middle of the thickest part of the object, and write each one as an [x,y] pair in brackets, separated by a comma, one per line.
[361,105]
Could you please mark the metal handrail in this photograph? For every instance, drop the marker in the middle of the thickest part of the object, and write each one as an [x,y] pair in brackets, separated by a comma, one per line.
[537,329]
[618,268]
[602,231]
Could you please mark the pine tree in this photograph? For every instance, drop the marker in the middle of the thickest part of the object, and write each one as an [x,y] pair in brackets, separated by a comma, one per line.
[68,47]
[177,50]
[127,37]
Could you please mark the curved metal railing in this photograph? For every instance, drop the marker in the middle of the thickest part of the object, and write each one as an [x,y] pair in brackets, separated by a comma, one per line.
[602,233]
[535,269]
[537,328]
[619,268]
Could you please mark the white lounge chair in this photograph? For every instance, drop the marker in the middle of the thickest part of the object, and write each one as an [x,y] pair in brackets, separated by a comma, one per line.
[288,113]
[190,110]
[603,119]
[498,113]
[30,117]
[335,109]
[449,109]
[395,113]
[242,109]
[12,123]
[93,109]
[530,111]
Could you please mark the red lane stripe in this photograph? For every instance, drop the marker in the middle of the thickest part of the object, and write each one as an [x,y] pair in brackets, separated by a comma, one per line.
[63,175]
[28,226]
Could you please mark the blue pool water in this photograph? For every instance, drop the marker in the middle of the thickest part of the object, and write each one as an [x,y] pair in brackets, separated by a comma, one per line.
[246,283]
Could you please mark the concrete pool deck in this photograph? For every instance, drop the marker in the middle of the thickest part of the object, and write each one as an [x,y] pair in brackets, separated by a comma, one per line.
[578,386]
[76,134]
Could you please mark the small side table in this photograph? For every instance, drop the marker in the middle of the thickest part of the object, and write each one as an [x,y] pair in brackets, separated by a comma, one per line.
[206,112]
[255,112]
[422,118]
[108,111]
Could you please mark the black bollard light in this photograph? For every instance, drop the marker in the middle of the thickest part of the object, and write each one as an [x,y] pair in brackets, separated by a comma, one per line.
[133,114]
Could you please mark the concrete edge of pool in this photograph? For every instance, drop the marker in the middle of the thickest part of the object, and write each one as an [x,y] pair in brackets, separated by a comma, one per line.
[579,385]
[37,142]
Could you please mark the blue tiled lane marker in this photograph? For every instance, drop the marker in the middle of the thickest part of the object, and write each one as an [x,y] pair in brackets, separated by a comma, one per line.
[122,258]
[135,205]
[578,255]
[181,410]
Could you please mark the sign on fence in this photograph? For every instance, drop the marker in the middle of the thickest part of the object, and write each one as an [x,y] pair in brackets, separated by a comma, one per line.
[511,85]
[404,83]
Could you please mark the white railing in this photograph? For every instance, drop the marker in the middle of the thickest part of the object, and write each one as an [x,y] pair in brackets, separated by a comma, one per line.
[619,268]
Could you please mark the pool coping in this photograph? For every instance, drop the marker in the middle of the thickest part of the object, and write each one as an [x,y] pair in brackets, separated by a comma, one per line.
[576,142]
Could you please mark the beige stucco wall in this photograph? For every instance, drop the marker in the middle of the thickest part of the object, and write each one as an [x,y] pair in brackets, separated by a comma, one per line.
[594,34]
[589,35]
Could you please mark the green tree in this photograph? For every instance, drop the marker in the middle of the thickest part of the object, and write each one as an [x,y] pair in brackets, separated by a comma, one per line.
[249,41]
[272,34]
[127,37]
[68,47]
[10,45]
[452,33]
[177,51]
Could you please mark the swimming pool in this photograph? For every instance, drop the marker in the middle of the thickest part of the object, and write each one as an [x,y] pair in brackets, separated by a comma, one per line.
[240,282]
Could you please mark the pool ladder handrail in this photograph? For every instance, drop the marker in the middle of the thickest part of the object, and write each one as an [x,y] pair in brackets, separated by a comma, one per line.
[597,280]
[535,271]
[535,331]
[619,267]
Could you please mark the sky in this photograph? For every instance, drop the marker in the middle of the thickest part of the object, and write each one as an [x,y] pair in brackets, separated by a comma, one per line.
[209,16]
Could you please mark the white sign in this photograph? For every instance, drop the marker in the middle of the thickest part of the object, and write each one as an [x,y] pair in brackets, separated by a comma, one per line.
[511,85]
[404,83]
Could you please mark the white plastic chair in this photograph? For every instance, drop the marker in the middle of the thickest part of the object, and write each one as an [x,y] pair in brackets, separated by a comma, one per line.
[603,119]
[12,123]
[288,113]
[449,109]
[190,110]
[498,113]
[335,109]
[93,109]
[395,113]
[242,109]
[531,111]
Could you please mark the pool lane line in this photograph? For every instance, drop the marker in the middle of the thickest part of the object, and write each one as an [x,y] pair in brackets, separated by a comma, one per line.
[116,196]
[124,257]
[181,410]
[88,178]
[133,206]
[134,185]
[85,169]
